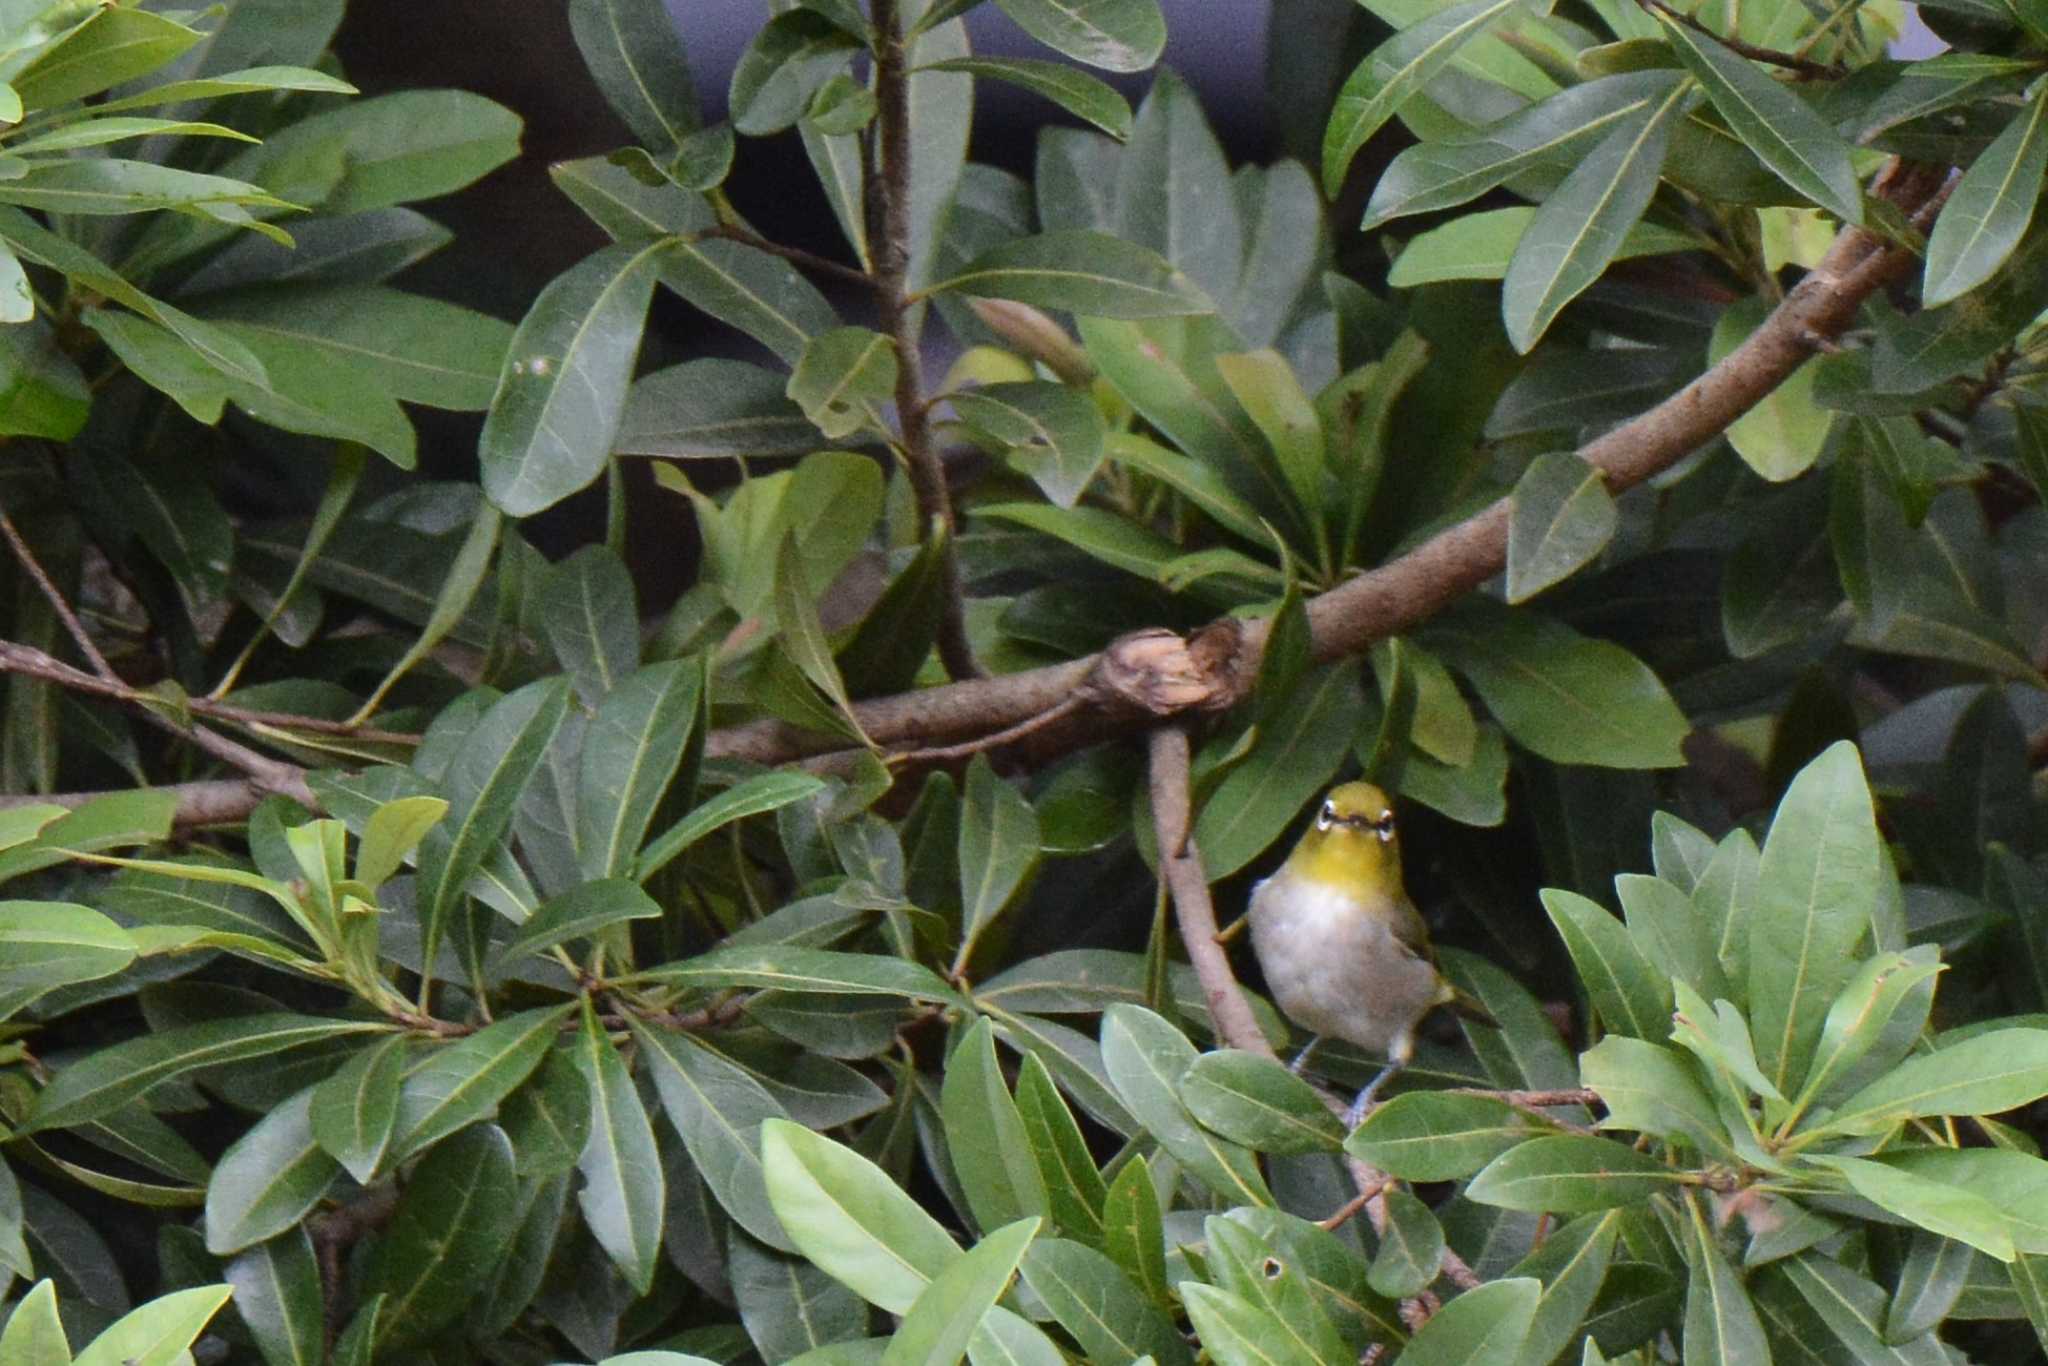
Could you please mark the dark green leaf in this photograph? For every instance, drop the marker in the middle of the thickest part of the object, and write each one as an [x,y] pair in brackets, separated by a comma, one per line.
[637,59]
[1146,1058]
[452,1226]
[1076,92]
[563,386]
[1782,129]
[1990,208]
[631,752]
[1562,518]
[803,969]
[1569,1174]
[985,1132]
[718,1108]
[1630,995]
[1429,1136]
[268,1179]
[708,409]
[841,377]
[1083,272]
[355,1110]
[1411,1249]
[1092,1298]
[622,1193]
[463,1082]
[279,1296]
[1259,1103]
[1482,1327]
[1115,35]
[786,61]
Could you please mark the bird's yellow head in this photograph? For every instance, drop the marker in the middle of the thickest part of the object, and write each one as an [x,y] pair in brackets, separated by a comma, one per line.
[1352,841]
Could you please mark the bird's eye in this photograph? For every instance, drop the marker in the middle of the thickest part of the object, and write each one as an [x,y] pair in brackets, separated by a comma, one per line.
[1384,826]
[1327,816]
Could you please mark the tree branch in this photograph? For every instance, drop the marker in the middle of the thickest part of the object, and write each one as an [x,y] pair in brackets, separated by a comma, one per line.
[72,625]
[1406,591]
[1180,863]
[899,318]
[1805,67]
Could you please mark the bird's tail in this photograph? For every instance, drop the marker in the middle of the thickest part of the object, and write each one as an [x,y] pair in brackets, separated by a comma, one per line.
[1469,1007]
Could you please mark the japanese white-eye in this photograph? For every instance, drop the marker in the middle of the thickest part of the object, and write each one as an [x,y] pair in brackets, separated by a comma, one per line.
[1344,950]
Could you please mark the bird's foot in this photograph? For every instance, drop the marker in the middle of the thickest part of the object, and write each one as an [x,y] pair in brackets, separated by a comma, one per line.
[1363,1105]
[1308,1051]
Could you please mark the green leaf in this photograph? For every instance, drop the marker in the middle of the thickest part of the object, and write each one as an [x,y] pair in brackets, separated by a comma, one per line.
[159,1332]
[1398,69]
[634,53]
[1581,227]
[268,1179]
[1562,517]
[1257,1102]
[717,1109]
[47,944]
[591,619]
[627,208]
[102,1082]
[1719,1037]
[1931,1279]
[1146,1058]
[563,386]
[1853,1309]
[998,848]
[548,1118]
[1077,92]
[578,913]
[250,80]
[1569,1174]
[454,1221]
[622,1193]
[1051,432]
[1630,996]
[1926,1203]
[1482,1327]
[1567,697]
[1235,1332]
[1650,1089]
[789,1306]
[1783,434]
[985,1132]
[1550,135]
[394,831]
[355,1111]
[1115,35]
[849,1218]
[34,1332]
[421,350]
[1861,1018]
[1782,129]
[1720,1322]
[1433,1136]
[1092,1298]
[2029,1276]
[465,576]
[710,409]
[463,1082]
[410,144]
[1411,1251]
[948,1311]
[1170,190]
[791,968]
[786,61]
[761,295]
[1572,1265]
[1265,386]
[753,796]
[279,1296]
[489,771]
[1990,208]
[1074,1189]
[113,46]
[1084,272]
[1816,885]
[1987,1074]
[841,377]
[1133,1233]
[1677,942]
[1273,1278]
[2014,1183]
[631,752]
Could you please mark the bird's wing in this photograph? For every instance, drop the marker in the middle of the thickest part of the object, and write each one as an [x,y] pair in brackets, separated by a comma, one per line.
[1406,923]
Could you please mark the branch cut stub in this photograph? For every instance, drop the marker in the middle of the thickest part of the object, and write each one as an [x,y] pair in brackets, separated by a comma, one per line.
[1157,672]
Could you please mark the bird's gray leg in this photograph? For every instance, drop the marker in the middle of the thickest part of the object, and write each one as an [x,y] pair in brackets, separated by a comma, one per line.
[1308,1051]
[1356,1114]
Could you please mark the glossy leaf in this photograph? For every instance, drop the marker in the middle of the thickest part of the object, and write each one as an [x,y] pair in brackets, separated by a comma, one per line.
[1569,1174]
[1259,1103]
[1397,70]
[268,1179]
[1115,35]
[632,50]
[1092,1298]
[355,1111]
[991,1153]
[842,377]
[718,1109]
[946,1314]
[1562,518]
[1482,1327]
[1078,93]
[157,1333]
[1579,229]
[463,1082]
[1783,130]
[562,390]
[1990,208]
[101,1083]
[622,1192]
[1983,1075]
[1052,432]
[579,913]
[453,1223]
[1427,1136]
[46,944]
[279,1296]
[1082,272]
[791,968]
[1146,1058]
[1631,996]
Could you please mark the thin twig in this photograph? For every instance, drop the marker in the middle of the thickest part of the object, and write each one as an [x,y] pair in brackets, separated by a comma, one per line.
[1804,66]
[947,754]
[809,260]
[1180,862]
[1350,1208]
[899,315]
[72,625]
[1533,1103]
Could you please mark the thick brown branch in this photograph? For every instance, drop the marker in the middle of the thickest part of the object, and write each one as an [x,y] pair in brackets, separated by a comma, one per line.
[1409,590]
[899,318]
[1180,863]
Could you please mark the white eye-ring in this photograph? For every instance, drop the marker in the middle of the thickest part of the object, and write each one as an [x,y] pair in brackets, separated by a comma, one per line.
[1384,827]
[1327,817]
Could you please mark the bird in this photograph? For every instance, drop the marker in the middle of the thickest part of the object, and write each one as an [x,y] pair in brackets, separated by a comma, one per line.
[1344,950]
